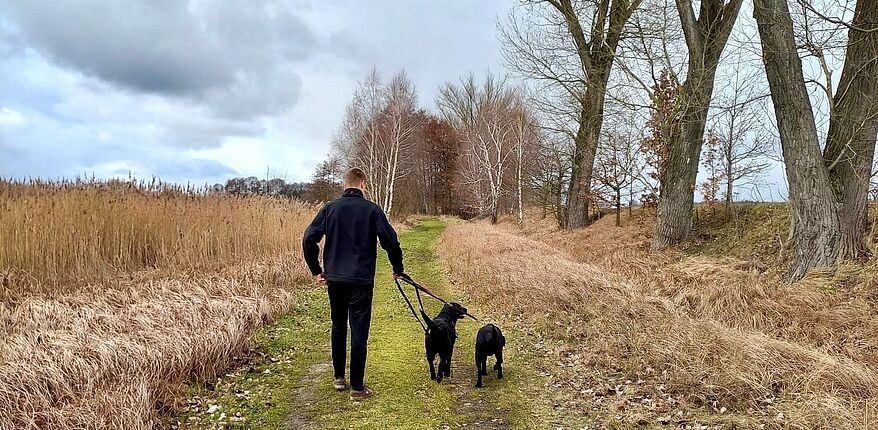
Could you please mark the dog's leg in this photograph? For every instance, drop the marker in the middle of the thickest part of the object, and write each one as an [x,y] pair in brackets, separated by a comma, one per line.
[499,365]
[432,369]
[448,368]
[480,368]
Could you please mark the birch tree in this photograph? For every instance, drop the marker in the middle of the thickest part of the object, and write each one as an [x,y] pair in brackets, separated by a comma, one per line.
[379,128]
[398,124]
[358,141]
[527,138]
[485,118]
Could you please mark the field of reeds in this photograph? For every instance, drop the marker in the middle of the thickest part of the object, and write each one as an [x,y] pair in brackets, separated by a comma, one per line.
[114,294]
[712,335]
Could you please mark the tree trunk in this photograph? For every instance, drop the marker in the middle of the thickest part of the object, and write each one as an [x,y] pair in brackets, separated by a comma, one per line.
[706,39]
[853,126]
[590,122]
[618,208]
[814,219]
[729,188]
[674,215]
[586,141]
[729,170]
[519,180]
[596,55]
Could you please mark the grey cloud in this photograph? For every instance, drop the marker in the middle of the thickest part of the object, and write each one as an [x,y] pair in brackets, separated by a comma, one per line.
[199,132]
[188,169]
[347,44]
[225,54]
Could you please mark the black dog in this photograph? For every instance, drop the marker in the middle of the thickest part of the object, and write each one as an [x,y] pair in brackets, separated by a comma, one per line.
[489,341]
[440,338]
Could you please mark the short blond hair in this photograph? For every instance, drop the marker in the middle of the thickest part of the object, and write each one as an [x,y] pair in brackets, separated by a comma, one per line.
[354,177]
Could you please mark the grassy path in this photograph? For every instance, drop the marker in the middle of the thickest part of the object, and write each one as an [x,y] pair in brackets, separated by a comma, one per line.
[288,384]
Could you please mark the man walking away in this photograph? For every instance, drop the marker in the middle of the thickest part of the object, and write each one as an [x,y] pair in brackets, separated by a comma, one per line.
[351,225]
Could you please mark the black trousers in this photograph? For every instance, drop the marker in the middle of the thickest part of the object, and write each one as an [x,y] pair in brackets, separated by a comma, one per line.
[350,302]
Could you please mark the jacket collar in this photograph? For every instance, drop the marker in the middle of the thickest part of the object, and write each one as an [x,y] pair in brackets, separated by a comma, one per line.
[352,192]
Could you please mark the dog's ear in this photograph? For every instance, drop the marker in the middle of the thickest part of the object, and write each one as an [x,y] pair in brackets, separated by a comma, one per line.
[430,324]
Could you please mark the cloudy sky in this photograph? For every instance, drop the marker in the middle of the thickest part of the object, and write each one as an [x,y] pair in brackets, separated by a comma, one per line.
[201,91]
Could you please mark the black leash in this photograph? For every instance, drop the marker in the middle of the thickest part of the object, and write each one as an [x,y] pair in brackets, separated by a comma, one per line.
[409,303]
[418,288]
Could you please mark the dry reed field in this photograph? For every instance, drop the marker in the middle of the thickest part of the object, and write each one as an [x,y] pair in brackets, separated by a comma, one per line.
[115,294]
[699,332]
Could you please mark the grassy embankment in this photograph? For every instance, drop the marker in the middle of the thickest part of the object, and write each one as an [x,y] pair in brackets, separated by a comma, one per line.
[710,336]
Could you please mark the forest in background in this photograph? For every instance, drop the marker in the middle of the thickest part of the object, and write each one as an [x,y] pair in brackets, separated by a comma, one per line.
[613,103]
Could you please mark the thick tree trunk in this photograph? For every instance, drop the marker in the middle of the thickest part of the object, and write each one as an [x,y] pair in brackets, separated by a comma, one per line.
[706,39]
[853,126]
[814,219]
[674,215]
[590,123]
[596,52]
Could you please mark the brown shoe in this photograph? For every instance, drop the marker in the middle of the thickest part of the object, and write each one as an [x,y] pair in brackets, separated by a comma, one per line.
[365,393]
[340,384]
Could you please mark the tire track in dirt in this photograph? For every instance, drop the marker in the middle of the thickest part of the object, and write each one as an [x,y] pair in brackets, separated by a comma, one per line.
[306,394]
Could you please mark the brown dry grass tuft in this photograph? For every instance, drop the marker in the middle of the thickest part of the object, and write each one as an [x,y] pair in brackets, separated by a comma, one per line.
[115,295]
[717,332]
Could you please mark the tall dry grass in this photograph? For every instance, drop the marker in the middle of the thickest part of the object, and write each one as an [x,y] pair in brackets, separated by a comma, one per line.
[115,294]
[713,331]
[61,235]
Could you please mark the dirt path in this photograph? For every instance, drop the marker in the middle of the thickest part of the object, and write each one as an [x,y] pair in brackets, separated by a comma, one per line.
[287,381]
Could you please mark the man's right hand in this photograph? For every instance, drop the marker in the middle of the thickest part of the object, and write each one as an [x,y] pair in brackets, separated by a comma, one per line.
[320,279]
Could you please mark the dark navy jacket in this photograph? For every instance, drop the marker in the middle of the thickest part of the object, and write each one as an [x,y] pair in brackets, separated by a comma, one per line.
[351,225]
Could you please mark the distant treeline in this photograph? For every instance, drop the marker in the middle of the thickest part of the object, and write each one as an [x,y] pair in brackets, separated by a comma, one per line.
[319,190]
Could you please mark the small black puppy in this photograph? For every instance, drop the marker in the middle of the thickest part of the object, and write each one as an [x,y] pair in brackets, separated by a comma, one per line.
[440,337]
[489,341]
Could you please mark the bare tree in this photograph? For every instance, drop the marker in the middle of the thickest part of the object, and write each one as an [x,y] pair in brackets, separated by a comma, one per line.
[853,126]
[380,124]
[429,189]
[527,141]
[706,36]
[827,190]
[485,118]
[551,171]
[745,147]
[398,124]
[619,164]
[568,48]
[358,140]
